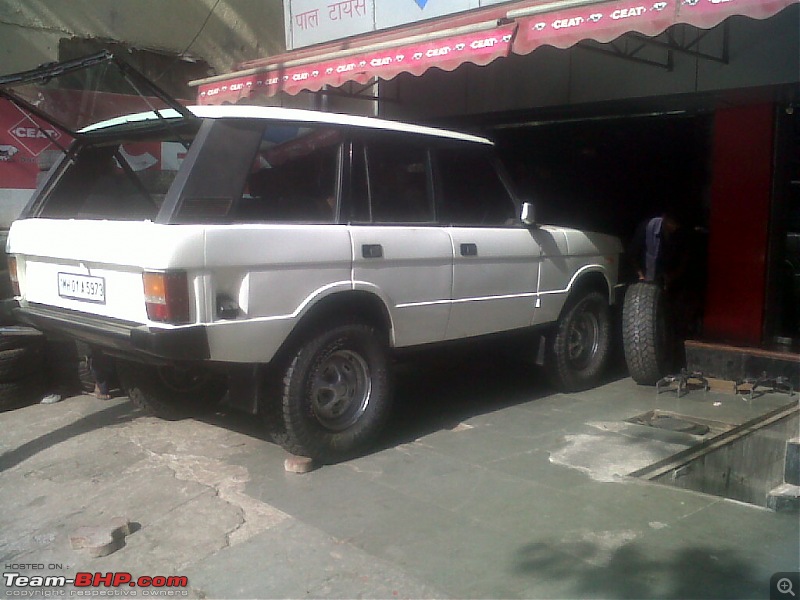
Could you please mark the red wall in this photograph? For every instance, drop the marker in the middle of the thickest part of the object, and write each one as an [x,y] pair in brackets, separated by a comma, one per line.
[739,224]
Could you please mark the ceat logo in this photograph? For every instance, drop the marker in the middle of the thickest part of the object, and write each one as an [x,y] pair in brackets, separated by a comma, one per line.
[32,136]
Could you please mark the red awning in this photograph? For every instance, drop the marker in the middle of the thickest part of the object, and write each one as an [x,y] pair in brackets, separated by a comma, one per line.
[606,21]
[479,44]
[478,37]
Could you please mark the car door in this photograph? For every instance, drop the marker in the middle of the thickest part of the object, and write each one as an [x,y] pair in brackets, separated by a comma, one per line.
[496,260]
[399,250]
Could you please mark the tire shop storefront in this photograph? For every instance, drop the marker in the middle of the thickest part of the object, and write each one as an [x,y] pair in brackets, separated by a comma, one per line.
[607,113]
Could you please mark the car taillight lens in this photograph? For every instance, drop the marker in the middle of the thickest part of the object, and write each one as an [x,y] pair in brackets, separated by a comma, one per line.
[12,273]
[166,296]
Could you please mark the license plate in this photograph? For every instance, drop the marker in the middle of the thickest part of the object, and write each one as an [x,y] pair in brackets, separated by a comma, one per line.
[82,287]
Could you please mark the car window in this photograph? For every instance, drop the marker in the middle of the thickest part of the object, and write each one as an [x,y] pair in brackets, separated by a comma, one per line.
[293,177]
[471,190]
[397,177]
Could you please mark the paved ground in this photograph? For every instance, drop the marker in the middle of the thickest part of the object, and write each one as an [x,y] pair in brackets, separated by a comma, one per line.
[487,486]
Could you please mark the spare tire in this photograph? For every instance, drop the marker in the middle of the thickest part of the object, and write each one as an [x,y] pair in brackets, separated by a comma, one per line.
[646,333]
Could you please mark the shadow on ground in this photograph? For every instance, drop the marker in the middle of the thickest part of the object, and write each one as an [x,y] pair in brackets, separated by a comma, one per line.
[113,415]
[630,571]
[439,390]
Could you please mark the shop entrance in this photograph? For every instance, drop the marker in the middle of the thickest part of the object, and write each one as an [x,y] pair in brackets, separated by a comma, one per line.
[731,177]
[610,174]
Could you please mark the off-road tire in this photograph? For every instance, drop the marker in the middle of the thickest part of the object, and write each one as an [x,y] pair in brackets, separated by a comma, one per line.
[170,393]
[646,335]
[10,342]
[579,346]
[16,394]
[337,393]
[19,363]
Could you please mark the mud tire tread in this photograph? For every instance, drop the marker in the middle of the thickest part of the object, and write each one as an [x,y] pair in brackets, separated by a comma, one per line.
[645,333]
[302,435]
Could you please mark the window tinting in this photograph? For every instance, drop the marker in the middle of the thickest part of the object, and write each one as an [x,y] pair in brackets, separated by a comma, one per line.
[398,183]
[471,190]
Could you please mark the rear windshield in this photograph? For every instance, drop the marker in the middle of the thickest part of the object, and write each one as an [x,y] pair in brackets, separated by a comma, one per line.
[125,180]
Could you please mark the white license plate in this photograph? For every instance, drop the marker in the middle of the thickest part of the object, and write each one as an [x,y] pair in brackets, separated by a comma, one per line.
[82,287]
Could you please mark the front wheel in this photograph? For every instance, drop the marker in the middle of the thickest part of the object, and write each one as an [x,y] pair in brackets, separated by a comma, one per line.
[336,393]
[579,346]
[170,392]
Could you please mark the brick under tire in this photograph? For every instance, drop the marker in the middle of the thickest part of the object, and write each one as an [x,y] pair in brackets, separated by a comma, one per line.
[646,336]
[337,393]
[580,345]
[170,393]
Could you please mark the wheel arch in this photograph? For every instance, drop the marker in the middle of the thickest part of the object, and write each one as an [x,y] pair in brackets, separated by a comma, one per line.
[357,305]
[589,278]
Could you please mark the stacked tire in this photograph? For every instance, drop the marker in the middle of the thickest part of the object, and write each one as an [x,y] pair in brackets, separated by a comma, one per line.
[21,369]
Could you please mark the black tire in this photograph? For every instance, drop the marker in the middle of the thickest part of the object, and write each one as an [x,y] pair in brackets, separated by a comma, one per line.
[17,394]
[19,363]
[337,393]
[11,341]
[170,393]
[579,346]
[646,335]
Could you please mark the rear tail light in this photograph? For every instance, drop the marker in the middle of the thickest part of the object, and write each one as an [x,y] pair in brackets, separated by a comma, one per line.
[12,273]
[166,295]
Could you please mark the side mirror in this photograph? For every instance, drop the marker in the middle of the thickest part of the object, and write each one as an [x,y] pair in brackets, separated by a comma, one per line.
[527,214]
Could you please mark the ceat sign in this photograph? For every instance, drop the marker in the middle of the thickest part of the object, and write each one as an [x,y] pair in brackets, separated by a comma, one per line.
[35,138]
[23,141]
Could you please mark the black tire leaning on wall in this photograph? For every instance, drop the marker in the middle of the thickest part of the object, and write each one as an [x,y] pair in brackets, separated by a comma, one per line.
[646,333]
[19,363]
[16,394]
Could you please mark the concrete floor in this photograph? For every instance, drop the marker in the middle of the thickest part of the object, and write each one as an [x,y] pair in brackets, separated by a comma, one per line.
[487,485]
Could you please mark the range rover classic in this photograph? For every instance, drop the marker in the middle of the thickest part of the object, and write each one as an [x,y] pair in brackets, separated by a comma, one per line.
[282,257]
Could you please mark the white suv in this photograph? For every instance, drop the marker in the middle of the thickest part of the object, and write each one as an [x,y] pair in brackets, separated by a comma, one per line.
[284,255]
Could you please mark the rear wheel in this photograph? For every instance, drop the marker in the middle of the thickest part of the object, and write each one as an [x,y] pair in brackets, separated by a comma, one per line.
[336,393]
[170,392]
[579,346]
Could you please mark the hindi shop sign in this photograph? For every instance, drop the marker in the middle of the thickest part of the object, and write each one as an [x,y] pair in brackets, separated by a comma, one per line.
[310,22]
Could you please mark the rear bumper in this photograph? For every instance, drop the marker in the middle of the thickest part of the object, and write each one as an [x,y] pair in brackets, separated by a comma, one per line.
[123,338]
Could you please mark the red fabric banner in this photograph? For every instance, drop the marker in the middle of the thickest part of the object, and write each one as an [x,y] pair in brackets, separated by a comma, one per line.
[561,28]
[446,53]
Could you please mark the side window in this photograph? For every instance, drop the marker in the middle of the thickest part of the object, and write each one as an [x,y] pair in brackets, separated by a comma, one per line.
[398,176]
[293,178]
[472,192]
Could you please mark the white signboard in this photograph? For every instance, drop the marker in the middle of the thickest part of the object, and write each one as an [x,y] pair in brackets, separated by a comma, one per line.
[310,22]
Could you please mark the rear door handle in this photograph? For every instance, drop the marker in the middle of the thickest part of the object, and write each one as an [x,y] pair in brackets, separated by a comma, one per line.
[469,250]
[372,251]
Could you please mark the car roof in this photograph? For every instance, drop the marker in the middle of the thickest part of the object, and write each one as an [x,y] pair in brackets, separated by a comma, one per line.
[294,115]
